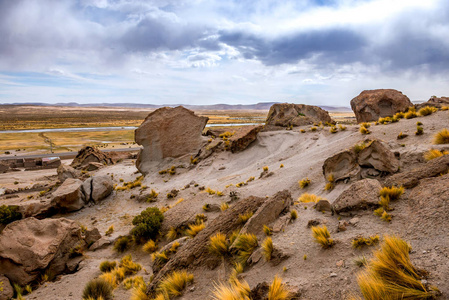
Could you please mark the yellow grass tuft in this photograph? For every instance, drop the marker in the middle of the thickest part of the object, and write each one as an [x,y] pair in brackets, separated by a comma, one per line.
[210,191]
[322,236]
[159,257]
[392,192]
[386,216]
[304,183]
[129,266]
[341,127]
[434,153]
[149,246]
[364,130]
[172,233]
[243,218]
[267,230]
[444,107]
[224,206]
[333,129]
[174,247]
[442,137]
[245,244]
[133,282]
[235,290]
[267,248]
[194,229]
[218,245]
[385,202]
[428,110]
[265,169]
[293,214]
[306,198]
[390,275]
[174,284]
[361,241]
[277,290]
[110,230]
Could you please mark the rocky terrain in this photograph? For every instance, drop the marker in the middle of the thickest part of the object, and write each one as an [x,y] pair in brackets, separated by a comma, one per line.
[63,224]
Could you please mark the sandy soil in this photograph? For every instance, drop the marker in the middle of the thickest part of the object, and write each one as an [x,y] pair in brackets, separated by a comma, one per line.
[302,155]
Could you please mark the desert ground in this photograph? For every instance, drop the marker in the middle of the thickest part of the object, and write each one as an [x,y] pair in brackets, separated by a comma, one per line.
[291,155]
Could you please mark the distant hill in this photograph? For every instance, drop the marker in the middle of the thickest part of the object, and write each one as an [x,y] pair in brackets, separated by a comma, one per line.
[257,106]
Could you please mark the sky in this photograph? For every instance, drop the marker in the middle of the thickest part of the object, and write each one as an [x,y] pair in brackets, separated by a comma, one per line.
[315,52]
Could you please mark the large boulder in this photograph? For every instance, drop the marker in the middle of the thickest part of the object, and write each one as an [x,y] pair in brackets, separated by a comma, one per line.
[243,137]
[377,155]
[268,212]
[168,132]
[341,165]
[360,195]
[410,179]
[289,114]
[90,154]
[6,290]
[435,102]
[30,246]
[97,188]
[65,172]
[370,105]
[69,196]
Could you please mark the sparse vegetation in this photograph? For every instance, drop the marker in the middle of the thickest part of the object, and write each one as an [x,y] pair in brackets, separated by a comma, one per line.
[133,282]
[361,261]
[306,198]
[122,244]
[341,127]
[9,214]
[218,245]
[330,182]
[147,224]
[110,230]
[386,217]
[322,236]
[411,113]
[107,266]
[313,129]
[362,241]
[245,244]
[333,129]
[391,274]
[364,130]
[359,147]
[267,248]
[265,169]
[174,284]
[149,246]
[402,136]
[442,137]
[277,290]
[428,110]
[267,230]
[194,229]
[245,217]
[392,192]
[235,290]
[434,153]
[224,206]
[97,289]
[293,214]
[304,183]
[419,130]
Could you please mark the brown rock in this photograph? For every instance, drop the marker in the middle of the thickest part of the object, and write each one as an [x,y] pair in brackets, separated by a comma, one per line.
[314,222]
[97,188]
[342,226]
[286,114]
[410,179]
[6,290]
[377,155]
[342,165]
[39,209]
[90,154]
[243,137]
[65,172]
[372,104]
[360,195]
[29,246]
[102,243]
[323,205]
[435,102]
[215,132]
[168,132]
[268,212]
[93,166]
[91,236]
[69,196]
[3,167]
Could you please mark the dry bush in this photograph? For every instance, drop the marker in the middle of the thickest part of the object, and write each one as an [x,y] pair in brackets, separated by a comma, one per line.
[174,284]
[293,214]
[434,153]
[304,183]
[194,229]
[218,244]
[122,244]
[267,248]
[362,241]
[390,275]
[97,289]
[267,230]
[392,192]
[428,110]
[419,130]
[245,244]
[224,206]
[133,282]
[129,266]
[364,130]
[306,198]
[333,129]
[442,137]
[322,236]
[107,266]
[243,218]
[150,246]
[234,290]
[277,290]
[402,136]
[386,217]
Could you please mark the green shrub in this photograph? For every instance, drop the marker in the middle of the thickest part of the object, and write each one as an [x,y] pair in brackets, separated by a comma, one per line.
[122,244]
[9,214]
[97,289]
[147,224]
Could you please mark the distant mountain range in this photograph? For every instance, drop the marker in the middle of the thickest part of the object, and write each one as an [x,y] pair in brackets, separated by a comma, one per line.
[258,106]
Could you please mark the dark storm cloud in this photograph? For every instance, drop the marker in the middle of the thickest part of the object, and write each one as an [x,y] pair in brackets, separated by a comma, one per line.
[338,43]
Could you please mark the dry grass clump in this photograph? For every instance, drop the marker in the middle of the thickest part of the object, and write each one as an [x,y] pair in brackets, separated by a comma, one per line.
[194,229]
[218,244]
[173,233]
[361,261]
[392,192]
[341,127]
[243,218]
[434,153]
[330,182]
[267,248]
[133,282]
[419,130]
[265,169]
[303,131]
[224,206]
[304,183]
[97,289]
[402,136]
[159,257]
[313,128]
[365,124]
[293,214]
[428,110]
[149,246]
[411,113]
[359,242]
[129,266]
[364,130]
[107,266]
[267,230]
[390,275]
[444,108]
[322,236]
[386,216]
[384,121]
[384,202]
[359,147]
[442,137]
[333,129]
[306,198]
[235,290]
[174,284]
[210,191]
[245,244]
[277,290]
[122,244]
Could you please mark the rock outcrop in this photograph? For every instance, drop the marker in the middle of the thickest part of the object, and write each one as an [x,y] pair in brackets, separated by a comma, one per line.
[410,179]
[168,132]
[360,195]
[289,114]
[90,154]
[6,290]
[434,102]
[243,137]
[374,160]
[29,247]
[65,172]
[3,167]
[97,188]
[69,196]
[370,105]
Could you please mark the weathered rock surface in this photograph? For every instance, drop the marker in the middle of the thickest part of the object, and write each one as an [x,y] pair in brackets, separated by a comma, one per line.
[195,252]
[360,195]
[93,166]
[37,208]
[97,188]
[69,196]
[168,132]
[268,212]
[91,236]
[342,165]
[90,154]
[435,102]
[30,246]
[243,137]
[286,114]
[65,172]
[6,291]
[410,179]
[3,167]
[377,155]
[323,205]
[370,105]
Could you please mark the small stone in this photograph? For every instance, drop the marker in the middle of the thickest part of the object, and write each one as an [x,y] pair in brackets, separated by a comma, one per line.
[192,289]
[354,221]
[340,263]
[424,282]
[342,226]
[333,275]
[424,252]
